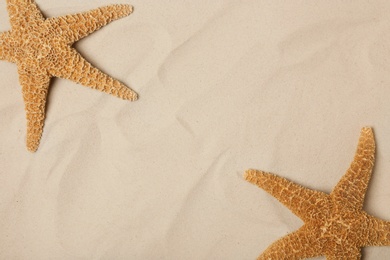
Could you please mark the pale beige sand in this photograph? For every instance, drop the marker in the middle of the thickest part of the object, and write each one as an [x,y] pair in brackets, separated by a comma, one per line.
[282,86]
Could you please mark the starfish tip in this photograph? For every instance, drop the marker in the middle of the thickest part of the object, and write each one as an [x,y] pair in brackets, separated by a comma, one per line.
[250,174]
[367,130]
[131,96]
[32,148]
[127,9]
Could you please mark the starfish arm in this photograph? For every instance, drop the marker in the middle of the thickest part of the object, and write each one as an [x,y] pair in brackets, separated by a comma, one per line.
[35,86]
[352,187]
[77,26]
[6,50]
[347,254]
[74,67]
[303,202]
[3,47]
[378,232]
[300,244]
[23,13]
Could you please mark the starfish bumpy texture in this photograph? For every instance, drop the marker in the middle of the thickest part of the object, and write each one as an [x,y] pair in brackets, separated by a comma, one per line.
[335,224]
[41,48]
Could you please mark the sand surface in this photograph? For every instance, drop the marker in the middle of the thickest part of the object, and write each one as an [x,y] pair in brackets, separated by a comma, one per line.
[224,85]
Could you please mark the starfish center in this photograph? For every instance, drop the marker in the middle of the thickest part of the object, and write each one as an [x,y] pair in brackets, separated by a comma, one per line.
[38,47]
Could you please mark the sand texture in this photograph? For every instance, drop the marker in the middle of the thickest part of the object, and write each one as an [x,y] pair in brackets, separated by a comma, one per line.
[224,86]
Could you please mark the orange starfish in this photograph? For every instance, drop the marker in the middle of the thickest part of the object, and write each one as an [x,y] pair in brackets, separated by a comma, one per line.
[335,224]
[41,48]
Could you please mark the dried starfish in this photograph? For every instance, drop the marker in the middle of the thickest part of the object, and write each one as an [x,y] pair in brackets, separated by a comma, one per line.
[41,48]
[335,224]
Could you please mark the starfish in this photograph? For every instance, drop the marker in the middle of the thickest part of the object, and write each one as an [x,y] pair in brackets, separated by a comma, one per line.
[335,224]
[42,49]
